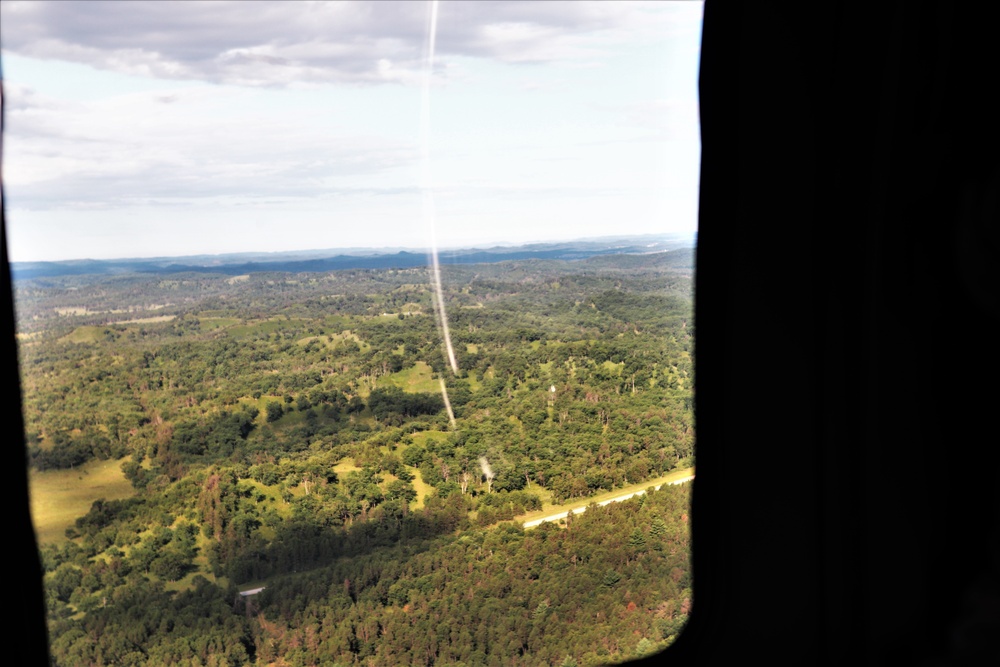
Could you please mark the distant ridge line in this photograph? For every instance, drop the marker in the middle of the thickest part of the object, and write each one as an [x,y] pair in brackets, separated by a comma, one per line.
[399,260]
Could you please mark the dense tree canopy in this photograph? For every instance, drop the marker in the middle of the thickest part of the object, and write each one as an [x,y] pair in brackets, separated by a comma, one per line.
[291,429]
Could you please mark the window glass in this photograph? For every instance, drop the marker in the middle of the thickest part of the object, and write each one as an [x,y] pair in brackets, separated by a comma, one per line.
[356,332]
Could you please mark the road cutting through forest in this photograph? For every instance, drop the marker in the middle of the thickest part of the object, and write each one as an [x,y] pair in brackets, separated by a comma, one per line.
[565,513]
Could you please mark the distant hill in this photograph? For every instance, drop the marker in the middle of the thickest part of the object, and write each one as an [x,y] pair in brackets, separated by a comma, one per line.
[362,258]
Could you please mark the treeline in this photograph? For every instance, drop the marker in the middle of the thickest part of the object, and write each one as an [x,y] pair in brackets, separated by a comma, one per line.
[127,610]
[142,624]
[392,406]
[100,300]
[613,585]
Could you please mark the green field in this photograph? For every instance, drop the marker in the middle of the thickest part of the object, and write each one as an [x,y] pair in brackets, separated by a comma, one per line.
[209,323]
[332,339]
[268,326]
[345,466]
[417,379]
[423,489]
[85,334]
[203,569]
[421,437]
[613,367]
[59,497]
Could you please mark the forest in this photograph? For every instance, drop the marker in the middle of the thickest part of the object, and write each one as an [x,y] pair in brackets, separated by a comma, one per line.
[288,431]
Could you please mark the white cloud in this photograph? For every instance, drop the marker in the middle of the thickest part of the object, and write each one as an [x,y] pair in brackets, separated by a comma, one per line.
[229,118]
[273,43]
[132,148]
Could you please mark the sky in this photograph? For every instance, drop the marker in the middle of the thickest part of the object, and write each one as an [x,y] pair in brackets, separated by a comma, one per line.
[151,129]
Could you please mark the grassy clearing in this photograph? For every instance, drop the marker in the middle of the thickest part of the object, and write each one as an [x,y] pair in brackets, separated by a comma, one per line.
[345,466]
[417,379]
[549,508]
[268,326]
[85,334]
[288,420]
[210,323]
[423,489]
[389,478]
[292,417]
[59,497]
[245,330]
[261,405]
[335,323]
[270,492]
[309,339]
[331,340]
[613,367]
[148,320]
[422,437]
[272,498]
[350,335]
[203,569]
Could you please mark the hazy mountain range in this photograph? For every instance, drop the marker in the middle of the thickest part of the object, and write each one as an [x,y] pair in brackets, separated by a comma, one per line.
[356,258]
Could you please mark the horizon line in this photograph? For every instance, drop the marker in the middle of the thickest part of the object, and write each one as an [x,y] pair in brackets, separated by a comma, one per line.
[486,245]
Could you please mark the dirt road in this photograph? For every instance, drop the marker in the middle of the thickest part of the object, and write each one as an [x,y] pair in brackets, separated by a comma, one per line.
[564,514]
